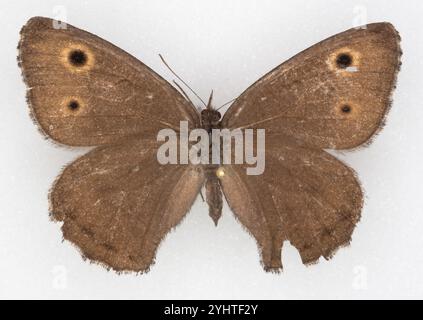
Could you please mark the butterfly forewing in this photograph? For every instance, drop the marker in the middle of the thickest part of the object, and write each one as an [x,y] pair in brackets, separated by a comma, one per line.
[333,95]
[84,91]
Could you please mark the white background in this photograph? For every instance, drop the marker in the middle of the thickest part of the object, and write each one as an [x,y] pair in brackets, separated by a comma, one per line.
[225,46]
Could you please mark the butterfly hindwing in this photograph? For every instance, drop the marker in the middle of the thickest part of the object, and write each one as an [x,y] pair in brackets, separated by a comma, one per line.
[305,196]
[117,203]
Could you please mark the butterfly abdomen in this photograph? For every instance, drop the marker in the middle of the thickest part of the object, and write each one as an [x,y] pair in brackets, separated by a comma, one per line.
[214,196]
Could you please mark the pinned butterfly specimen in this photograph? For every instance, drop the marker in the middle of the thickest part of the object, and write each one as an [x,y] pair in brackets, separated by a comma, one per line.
[117,203]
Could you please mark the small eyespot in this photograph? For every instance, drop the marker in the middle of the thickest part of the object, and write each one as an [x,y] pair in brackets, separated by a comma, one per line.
[346,109]
[78,58]
[344,61]
[73,105]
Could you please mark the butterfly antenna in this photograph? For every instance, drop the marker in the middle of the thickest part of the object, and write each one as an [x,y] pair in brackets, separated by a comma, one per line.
[180,79]
[224,105]
[184,93]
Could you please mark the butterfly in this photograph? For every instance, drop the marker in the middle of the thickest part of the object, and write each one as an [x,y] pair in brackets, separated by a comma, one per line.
[117,203]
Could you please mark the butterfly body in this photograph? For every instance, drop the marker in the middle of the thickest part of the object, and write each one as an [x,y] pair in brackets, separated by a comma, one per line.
[210,119]
[117,203]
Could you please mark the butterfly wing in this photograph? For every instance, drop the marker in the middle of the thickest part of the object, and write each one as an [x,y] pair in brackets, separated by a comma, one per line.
[305,196]
[84,91]
[333,95]
[117,203]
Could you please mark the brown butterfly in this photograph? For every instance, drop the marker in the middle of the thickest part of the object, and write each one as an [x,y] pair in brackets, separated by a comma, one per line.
[117,202]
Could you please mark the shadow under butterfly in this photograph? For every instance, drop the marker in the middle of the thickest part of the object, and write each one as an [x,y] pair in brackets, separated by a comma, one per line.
[117,203]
